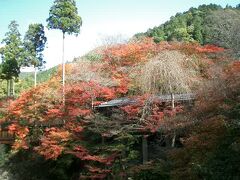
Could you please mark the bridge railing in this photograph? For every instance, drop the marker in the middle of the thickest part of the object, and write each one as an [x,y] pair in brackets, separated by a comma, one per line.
[6,137]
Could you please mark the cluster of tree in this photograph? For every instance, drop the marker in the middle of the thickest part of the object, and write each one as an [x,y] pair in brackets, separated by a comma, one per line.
[145,139]
[211,147]
[16,53]
[207,24]
[26,81]
[91,143]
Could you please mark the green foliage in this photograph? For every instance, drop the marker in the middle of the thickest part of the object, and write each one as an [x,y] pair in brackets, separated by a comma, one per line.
[197,31]
[128,146]
[151,171]
[4,154]
[67,166]
[223,161]
[34,43]
[200,24]
[12,53]
[63,15]
[28,165]
[26,81]
[157,33]
[93,57]
[10,69]
[222,29]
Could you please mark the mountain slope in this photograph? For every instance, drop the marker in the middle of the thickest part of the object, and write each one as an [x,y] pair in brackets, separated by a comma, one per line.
[26,81]
[207,24]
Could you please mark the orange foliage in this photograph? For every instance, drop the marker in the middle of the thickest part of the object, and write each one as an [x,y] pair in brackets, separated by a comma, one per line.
[52,144]
[97,170]
[131,53]
[232,77]
[21,133]
[83,154]
[234,68]
[54,113]
[149,112]
[209,49]
[68,69]
[44,104]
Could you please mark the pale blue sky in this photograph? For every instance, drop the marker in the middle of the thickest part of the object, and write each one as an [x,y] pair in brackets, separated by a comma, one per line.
[100,18]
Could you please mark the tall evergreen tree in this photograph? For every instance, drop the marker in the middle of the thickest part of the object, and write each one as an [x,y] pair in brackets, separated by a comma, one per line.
[64,16]
[34,43]
[12,56]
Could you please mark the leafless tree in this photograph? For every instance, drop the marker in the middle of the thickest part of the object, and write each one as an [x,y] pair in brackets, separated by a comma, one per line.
[165,73]
[110,40]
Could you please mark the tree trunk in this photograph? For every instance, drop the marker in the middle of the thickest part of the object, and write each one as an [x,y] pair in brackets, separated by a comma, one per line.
[11,87]
[63,72]
[8,88]
[35,76]
[35,85]
[173,100]
[174,139]
[144,149]
[103,140]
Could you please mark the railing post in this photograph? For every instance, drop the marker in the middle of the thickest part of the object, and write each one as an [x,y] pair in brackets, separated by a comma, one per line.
[172,100]
[144,149]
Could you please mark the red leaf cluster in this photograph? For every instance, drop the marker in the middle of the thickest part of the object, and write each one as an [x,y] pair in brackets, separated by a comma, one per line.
[209,49]
[83,154]
[20,133]
[52,144]
[129,54]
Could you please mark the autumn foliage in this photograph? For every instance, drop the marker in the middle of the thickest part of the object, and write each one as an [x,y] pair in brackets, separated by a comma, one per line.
[42,124]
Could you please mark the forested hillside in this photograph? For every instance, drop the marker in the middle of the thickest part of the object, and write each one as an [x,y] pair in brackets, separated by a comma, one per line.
[207,24]
[26,81]
[164,105]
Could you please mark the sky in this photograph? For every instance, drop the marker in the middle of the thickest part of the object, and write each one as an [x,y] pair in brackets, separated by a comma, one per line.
[101,18]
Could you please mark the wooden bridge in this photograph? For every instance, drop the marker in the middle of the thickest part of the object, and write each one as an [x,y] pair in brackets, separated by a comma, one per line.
[163,98]
[7,138]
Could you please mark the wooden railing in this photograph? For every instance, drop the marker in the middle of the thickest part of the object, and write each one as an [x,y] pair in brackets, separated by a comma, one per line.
[163,98]
[6,137]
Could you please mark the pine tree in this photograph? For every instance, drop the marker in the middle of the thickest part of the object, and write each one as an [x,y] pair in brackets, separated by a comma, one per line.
[12,56]
[34,43]
[64,16]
